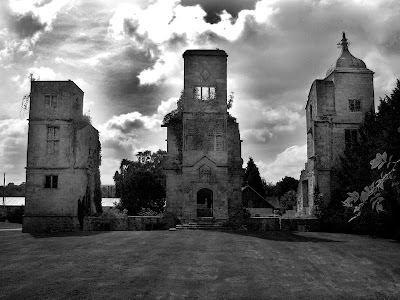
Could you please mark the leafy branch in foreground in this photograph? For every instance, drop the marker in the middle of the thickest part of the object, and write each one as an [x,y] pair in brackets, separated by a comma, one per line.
[374,192]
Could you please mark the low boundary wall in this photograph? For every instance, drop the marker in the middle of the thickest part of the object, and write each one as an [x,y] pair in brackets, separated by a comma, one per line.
[141,223]
[277,223]
[134,223]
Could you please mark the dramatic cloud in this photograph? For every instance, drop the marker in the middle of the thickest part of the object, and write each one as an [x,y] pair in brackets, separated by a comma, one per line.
[287,163]
[127,57]
[27,25]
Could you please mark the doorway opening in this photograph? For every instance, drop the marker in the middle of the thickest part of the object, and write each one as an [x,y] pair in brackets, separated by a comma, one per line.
[205,203]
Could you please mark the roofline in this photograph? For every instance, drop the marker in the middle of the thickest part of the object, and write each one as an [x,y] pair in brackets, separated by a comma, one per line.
[349,70]
[205,52]
[258,194]
[59,81]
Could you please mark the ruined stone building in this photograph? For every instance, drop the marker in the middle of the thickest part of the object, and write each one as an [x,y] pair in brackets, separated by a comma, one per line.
[203,165]
[62,173]
[335,109]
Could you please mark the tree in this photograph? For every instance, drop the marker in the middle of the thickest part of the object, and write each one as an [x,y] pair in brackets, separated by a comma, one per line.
[289,199]
[252,177]
[380,133]
[285,185]
[141,184]
[269,188]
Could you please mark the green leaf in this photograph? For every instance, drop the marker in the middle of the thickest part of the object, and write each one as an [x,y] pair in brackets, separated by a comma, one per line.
[379,207]
[376,161]
[354,196]
[364,196]
[380,184]
[384,156]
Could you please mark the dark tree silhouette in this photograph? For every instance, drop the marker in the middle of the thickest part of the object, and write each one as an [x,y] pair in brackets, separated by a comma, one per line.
[252,177]
[141,184]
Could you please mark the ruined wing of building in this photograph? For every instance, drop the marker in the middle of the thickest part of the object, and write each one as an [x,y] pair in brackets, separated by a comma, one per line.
[63,159]
[335,109]
[203,165]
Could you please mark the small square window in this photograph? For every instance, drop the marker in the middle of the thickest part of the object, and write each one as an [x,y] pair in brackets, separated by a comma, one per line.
[354,105]
[50,101]
[51,182]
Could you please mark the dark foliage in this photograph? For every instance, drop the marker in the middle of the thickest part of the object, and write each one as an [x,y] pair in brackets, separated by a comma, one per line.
[378,134]
[252,177]
[285,185]
[13,190]
[141,184]
[15,215]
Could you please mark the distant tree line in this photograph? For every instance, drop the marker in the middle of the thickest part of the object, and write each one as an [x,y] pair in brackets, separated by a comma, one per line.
[284,190]
[13,190]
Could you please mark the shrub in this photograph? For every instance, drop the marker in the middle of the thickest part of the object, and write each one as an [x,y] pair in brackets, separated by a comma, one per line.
[15,215]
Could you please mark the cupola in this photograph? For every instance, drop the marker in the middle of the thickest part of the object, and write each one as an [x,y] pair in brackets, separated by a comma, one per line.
[346,60]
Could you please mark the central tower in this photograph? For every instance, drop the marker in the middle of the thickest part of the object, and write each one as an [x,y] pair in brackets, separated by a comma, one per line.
[203,164]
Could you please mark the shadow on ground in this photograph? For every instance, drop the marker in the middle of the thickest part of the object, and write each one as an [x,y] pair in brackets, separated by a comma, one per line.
[284,236]
[66,234]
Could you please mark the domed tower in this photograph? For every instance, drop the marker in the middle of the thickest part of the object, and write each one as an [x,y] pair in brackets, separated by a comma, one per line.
[335,109]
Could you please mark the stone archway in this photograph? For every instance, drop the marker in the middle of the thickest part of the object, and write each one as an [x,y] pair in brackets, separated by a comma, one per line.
[205,203]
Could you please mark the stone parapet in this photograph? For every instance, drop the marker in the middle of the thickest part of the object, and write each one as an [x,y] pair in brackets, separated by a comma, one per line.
[299,224]
[263,224]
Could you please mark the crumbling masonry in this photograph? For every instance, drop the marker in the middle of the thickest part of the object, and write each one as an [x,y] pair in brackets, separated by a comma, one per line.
[62,174]
[203,165]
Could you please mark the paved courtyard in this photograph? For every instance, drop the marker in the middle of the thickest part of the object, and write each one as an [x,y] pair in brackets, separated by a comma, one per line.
[197,265]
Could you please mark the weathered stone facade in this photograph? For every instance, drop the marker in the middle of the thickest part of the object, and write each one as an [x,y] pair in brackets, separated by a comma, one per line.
[62,161]
[203,165]
[335,109]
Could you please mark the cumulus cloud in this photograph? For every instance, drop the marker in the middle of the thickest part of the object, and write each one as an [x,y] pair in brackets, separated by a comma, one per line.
[287,163]
[13,142]
[127,57]
[124,135]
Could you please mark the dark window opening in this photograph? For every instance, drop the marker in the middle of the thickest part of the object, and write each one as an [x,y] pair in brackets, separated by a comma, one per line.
[53,139]
[354,105]
[350,136]
[50,101]
[51,182]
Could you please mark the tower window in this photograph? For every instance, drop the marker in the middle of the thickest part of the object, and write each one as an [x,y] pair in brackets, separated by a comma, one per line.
[204,93]
[53,139]
[50,101]
[350,137]
[51,182]
[354,105]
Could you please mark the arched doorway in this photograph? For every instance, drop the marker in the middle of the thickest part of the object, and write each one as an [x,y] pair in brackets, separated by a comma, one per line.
[205,203]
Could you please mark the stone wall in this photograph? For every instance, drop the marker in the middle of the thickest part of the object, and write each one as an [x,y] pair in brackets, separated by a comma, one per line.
[263,224]
[132,223]
[276,224]
[260,212]
[48,224]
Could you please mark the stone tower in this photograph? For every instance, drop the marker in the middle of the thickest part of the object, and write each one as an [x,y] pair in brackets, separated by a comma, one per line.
[335,109]
[63,159]
[203,165]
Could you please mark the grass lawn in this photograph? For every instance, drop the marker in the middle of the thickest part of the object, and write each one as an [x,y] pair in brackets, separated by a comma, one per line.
[197,265]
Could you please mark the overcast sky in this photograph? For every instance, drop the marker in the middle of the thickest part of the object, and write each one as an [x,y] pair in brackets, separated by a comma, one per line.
[127,58]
